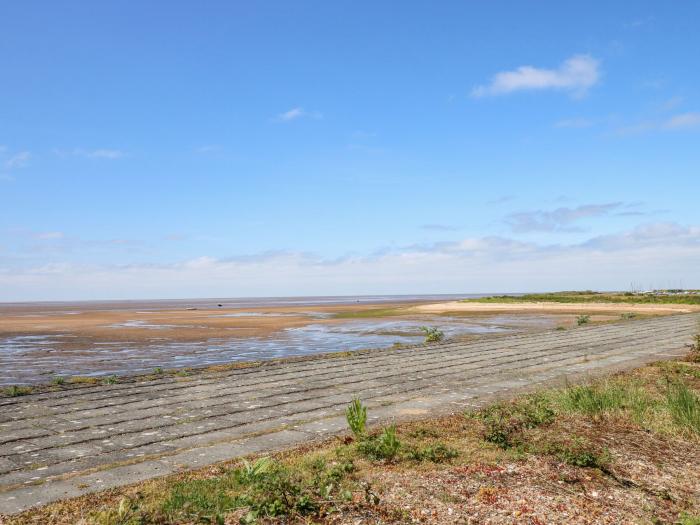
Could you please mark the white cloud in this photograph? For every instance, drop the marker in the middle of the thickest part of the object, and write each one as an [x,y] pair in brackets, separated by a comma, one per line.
[682,121]
[574,123]
[46,236]
[297,113]
[679,122]
[18,160]
[100,153]
[560,219]
[575,75]
[654,253]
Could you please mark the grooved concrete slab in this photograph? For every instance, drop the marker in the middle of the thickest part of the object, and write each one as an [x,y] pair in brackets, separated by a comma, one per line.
[66,443]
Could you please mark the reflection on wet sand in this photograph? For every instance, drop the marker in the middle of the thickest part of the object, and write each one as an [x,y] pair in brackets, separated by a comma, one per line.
[137,346]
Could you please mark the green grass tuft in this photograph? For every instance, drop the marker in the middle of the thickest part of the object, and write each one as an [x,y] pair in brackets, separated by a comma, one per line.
[684,406]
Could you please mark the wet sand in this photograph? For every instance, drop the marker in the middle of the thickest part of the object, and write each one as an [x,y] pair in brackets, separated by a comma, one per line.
[41,341]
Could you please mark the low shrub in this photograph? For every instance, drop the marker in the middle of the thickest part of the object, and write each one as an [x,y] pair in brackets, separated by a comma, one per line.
[583,319]
[432,334]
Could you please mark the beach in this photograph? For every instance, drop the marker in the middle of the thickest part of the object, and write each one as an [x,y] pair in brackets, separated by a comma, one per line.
[42,341]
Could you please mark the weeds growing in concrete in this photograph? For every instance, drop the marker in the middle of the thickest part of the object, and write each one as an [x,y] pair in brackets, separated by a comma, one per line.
[16,391]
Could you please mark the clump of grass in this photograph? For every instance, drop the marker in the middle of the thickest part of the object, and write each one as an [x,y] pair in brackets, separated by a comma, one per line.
[583,319]
[578,452]
[384,446]
[688,519]
[265,490]
[58,380]
[438,453]
[158,371]
[604,397]
[432,334]
[628,315]
[84,380]
[356,416]
[110,380]
[504,423]
[16,391]
[684,406]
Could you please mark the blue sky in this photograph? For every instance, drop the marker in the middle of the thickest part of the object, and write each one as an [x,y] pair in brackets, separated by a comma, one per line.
[174,149]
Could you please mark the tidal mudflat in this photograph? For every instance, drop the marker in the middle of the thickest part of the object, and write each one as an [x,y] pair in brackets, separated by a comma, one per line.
[40,343]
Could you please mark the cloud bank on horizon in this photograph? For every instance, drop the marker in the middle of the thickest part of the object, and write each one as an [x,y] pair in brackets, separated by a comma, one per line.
[650,254]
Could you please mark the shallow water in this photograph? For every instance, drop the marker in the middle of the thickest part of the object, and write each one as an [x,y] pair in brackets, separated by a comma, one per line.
[37,358]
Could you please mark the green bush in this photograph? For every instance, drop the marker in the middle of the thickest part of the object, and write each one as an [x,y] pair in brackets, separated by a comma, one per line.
[583,319]
[58,380]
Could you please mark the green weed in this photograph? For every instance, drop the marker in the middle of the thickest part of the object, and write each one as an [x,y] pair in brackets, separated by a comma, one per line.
[583,319]
[505,422]
[356,416]
[385,446]
[684,406]
[438,453]
[432,334]
[16,391]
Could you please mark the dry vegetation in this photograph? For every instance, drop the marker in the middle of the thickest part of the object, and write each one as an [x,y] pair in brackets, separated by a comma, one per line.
[625,449]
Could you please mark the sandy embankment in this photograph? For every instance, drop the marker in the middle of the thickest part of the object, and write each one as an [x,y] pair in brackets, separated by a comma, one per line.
[553,308]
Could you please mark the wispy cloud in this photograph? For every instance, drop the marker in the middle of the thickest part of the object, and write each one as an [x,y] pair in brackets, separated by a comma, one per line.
[48,236]
[558,220]
[683,121]
[575,75]
[208,148]
[298,113]
[100,153]
[579,122]
[679,122]
[439,227]
[17,160]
